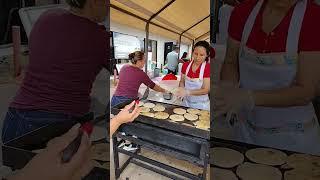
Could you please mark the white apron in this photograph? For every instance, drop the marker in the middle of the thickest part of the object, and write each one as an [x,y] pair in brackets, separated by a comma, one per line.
[291,128]
[198,102]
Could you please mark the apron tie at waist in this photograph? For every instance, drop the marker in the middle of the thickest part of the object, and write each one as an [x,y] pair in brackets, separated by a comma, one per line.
[298,127]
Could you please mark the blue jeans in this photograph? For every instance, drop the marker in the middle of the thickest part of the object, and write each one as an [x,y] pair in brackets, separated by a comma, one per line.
[19,122]
[119,99]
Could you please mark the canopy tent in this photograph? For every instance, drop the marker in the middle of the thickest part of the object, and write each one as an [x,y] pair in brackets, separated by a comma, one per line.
[186,21]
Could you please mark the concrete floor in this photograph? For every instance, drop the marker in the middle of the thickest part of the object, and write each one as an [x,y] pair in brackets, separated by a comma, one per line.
[134,172]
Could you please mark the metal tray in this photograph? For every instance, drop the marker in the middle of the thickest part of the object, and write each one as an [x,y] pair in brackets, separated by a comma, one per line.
[168,124]
[243,148]
[18,152]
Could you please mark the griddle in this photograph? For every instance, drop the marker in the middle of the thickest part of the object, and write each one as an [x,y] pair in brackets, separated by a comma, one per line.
[18,152]
[181,127]
[180,146]
[243,148]
[163,136]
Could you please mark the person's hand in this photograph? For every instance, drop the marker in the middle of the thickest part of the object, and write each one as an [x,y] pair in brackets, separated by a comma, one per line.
[229,98]
[181,92]
[125,116]
[167,91]
[48,165]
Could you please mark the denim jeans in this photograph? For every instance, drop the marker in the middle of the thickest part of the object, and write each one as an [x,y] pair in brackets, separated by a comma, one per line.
[119,99]
[19,122]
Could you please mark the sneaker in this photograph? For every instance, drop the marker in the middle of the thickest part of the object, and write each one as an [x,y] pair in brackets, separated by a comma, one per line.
[130,147]
[122,143]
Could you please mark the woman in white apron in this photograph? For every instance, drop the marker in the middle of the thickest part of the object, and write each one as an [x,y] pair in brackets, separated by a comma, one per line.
[262,77]
[195,78]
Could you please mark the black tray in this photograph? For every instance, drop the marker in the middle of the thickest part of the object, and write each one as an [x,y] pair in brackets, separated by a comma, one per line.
[168,124]
[243,148]
[18,152]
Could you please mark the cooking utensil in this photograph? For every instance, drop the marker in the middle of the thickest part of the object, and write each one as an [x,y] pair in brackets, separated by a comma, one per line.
[72,148]
[145,94]
[167,96]
[144,97]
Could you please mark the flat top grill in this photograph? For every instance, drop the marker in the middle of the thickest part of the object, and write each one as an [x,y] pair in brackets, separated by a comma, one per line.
[185,127]
[243,148]
[181,140]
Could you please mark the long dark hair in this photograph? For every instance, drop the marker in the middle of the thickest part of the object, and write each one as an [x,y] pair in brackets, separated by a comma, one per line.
[205,45]
[136,56]
[184,55]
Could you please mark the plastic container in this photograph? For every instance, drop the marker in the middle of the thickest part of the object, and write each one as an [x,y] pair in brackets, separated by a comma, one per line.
[156,72]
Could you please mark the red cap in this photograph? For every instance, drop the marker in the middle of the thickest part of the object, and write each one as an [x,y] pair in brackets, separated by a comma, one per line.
[87,127]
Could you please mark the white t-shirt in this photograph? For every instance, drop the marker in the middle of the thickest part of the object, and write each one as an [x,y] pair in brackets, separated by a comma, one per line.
[172,60]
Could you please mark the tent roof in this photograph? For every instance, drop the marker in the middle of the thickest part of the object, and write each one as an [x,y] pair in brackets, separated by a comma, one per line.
[181,16]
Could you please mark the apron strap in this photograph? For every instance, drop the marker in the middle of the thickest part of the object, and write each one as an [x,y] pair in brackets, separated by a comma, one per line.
[188,68]
[250,22]
[295,27]
[203,66]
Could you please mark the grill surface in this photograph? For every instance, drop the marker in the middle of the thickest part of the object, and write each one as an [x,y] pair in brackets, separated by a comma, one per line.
[242,148]
[171,138]
[181,127]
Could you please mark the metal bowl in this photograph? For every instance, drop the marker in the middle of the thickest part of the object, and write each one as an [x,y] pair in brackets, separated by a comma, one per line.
[167,96]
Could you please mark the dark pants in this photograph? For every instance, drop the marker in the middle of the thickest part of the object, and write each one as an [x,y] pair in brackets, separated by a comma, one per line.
[19,122]
[172,72]
[116,100]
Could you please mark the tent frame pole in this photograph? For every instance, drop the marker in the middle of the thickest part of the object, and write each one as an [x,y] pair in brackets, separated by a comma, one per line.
[146,41]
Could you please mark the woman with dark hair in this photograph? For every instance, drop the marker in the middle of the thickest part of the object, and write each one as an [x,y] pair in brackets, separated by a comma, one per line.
[131,76]
[68,48]
[270,73]
[183,58]
[195,78]
[184,55]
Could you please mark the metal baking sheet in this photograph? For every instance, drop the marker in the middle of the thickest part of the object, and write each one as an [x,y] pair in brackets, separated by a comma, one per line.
[169,124]
[243,148]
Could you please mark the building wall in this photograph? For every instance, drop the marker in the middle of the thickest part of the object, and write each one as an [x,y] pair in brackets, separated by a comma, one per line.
[116,27]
